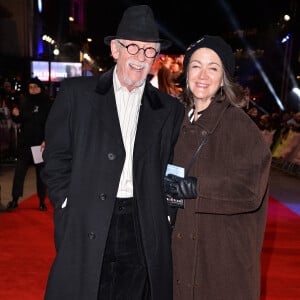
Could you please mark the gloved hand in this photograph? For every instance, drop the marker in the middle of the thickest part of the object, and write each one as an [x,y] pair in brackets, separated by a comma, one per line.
[179,187]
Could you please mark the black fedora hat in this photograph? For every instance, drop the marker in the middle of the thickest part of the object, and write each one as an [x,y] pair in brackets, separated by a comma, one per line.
[138,24]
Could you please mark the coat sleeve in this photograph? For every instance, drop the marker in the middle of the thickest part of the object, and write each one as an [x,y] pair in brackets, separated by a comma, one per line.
[179,115]
[58,152]
[236,176]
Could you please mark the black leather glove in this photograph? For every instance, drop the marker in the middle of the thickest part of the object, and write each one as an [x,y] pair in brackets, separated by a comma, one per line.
[180,188]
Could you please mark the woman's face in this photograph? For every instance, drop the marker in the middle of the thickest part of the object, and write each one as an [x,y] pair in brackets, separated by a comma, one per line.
[205,74]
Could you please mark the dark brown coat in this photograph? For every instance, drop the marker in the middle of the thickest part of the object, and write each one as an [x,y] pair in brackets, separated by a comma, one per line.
[217,239]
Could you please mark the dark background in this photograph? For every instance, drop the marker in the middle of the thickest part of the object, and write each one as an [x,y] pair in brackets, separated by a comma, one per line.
[255,26]
[184,22]
[253,29]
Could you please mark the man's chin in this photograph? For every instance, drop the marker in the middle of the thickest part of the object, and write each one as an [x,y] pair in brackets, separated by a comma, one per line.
[135,83]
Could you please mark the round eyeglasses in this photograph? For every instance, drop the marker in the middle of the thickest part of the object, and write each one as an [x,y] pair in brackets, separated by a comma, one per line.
[133,49]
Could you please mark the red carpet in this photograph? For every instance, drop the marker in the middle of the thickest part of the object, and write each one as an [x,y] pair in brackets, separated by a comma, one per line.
[281,254]
[27,250]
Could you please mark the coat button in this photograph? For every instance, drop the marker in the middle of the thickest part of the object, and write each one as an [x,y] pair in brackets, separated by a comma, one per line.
[179,235]
[91,235]
[102,197]
[111,156]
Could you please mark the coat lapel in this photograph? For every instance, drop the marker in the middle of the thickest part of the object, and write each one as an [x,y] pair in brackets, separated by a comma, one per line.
[213,115]
[104,106]
[151,118]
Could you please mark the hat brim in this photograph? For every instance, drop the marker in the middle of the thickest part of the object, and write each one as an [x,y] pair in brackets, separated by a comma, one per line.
[164,44]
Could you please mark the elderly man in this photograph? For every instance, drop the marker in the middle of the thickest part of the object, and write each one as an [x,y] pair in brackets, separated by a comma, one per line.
[108,142]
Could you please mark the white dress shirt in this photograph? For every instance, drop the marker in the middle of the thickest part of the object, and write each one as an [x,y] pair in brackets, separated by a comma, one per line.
[128,105]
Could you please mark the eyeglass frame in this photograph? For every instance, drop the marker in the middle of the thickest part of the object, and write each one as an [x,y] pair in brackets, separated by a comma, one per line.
[138,49]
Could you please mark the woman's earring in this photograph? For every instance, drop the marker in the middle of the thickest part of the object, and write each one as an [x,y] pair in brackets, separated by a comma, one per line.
[221,90]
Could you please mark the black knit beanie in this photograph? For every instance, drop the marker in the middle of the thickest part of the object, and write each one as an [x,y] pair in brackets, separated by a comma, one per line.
[217,44]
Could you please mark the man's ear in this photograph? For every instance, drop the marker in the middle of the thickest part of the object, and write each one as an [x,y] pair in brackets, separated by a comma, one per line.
[114,48]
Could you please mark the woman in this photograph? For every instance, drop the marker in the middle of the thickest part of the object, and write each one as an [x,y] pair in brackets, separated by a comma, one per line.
[218,236]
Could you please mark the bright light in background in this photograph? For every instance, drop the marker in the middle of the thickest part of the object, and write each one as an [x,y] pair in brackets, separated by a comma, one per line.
[48,39]
[40,6]
[268,83]
[87,57]
[235,24]
[285,39]
[286,18]
[294,96]
[296,91]
[56,51]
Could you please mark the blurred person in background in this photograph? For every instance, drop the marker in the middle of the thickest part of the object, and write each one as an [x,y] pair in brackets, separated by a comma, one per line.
[73,71]
[31,114]
[254,114]
[10,94]
[294,122]
[5,127]
[218,237]
[165,76]
[10,98]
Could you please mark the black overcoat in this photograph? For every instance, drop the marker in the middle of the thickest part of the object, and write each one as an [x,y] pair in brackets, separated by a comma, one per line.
[84,157]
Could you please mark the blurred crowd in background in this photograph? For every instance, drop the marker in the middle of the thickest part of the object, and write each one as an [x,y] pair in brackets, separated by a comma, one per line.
[281,130]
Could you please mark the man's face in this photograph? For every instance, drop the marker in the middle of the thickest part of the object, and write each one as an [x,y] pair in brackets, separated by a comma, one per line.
[34,89]
[132,69]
